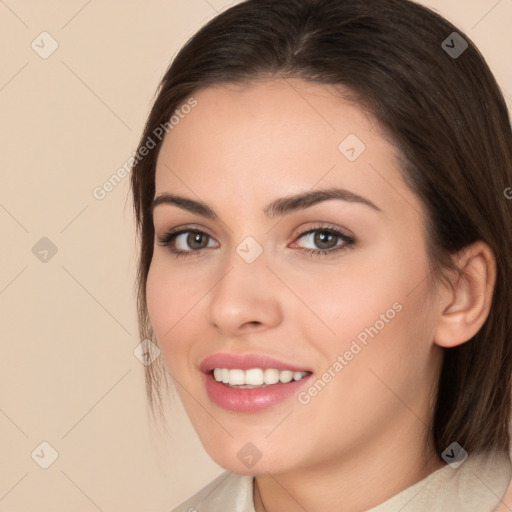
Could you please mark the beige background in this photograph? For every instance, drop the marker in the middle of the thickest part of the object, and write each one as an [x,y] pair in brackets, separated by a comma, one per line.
[68,374]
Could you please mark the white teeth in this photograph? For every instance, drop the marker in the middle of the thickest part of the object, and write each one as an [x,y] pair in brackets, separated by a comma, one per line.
[255,376]
[271,376]
[236,377]
[286,376]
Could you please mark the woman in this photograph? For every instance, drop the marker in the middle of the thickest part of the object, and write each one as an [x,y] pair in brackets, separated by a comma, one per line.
[326,258]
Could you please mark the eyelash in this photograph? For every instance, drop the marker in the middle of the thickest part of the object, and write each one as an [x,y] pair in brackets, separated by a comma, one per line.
[349,242]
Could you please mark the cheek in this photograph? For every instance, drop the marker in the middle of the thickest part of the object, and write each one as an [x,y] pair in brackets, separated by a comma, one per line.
[171,295]
[167,305]
[383,332]
[364,290]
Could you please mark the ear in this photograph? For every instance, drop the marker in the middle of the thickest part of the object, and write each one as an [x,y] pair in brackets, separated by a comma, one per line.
[465,303]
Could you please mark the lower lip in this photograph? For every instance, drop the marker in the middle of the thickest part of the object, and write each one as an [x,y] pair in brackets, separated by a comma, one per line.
[250,400]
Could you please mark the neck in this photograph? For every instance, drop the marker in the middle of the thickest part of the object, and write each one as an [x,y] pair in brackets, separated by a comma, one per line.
[357,480]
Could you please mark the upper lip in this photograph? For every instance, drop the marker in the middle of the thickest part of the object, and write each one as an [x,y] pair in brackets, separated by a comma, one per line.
[246,362]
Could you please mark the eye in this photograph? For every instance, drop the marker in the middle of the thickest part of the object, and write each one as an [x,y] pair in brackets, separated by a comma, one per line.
[329,240]
[184,242]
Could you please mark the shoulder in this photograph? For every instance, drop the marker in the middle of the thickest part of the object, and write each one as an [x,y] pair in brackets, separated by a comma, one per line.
[479,483]
[505,503]
[226,492]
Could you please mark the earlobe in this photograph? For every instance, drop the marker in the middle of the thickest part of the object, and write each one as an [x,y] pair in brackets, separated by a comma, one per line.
[465,304]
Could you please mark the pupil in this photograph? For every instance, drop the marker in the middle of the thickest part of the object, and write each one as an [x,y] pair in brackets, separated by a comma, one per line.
[195,238]
[322,238]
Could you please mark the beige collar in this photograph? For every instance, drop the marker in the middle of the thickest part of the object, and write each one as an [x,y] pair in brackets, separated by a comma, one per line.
[478,485]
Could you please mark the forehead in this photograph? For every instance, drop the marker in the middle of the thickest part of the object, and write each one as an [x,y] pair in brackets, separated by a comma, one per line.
[269,117]
[277,136]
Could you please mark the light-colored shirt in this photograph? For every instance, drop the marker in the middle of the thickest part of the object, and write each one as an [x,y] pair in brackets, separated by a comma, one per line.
[477,485]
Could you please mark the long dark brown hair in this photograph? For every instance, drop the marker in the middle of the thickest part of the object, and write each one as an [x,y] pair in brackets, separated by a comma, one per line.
[444,112]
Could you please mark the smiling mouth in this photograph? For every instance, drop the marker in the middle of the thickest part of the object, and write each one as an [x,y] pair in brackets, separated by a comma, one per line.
[255,377]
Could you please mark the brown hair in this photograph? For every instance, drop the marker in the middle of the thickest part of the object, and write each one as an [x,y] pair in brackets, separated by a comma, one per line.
[445,114]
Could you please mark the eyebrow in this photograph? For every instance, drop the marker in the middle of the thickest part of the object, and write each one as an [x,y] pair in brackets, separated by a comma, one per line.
[277,208]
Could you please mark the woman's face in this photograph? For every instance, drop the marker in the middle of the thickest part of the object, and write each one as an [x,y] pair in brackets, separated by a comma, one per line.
[354,325]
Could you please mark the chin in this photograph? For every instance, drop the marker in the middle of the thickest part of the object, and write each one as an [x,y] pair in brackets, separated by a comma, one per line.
[245,458]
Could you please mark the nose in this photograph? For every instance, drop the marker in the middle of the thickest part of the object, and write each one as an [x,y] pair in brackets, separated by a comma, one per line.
[245,299]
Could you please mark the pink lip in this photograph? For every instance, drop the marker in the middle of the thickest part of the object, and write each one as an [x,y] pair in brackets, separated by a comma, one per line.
[248,400]
[246,362]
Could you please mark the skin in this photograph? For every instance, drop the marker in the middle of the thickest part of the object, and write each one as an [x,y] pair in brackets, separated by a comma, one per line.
[362,439]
